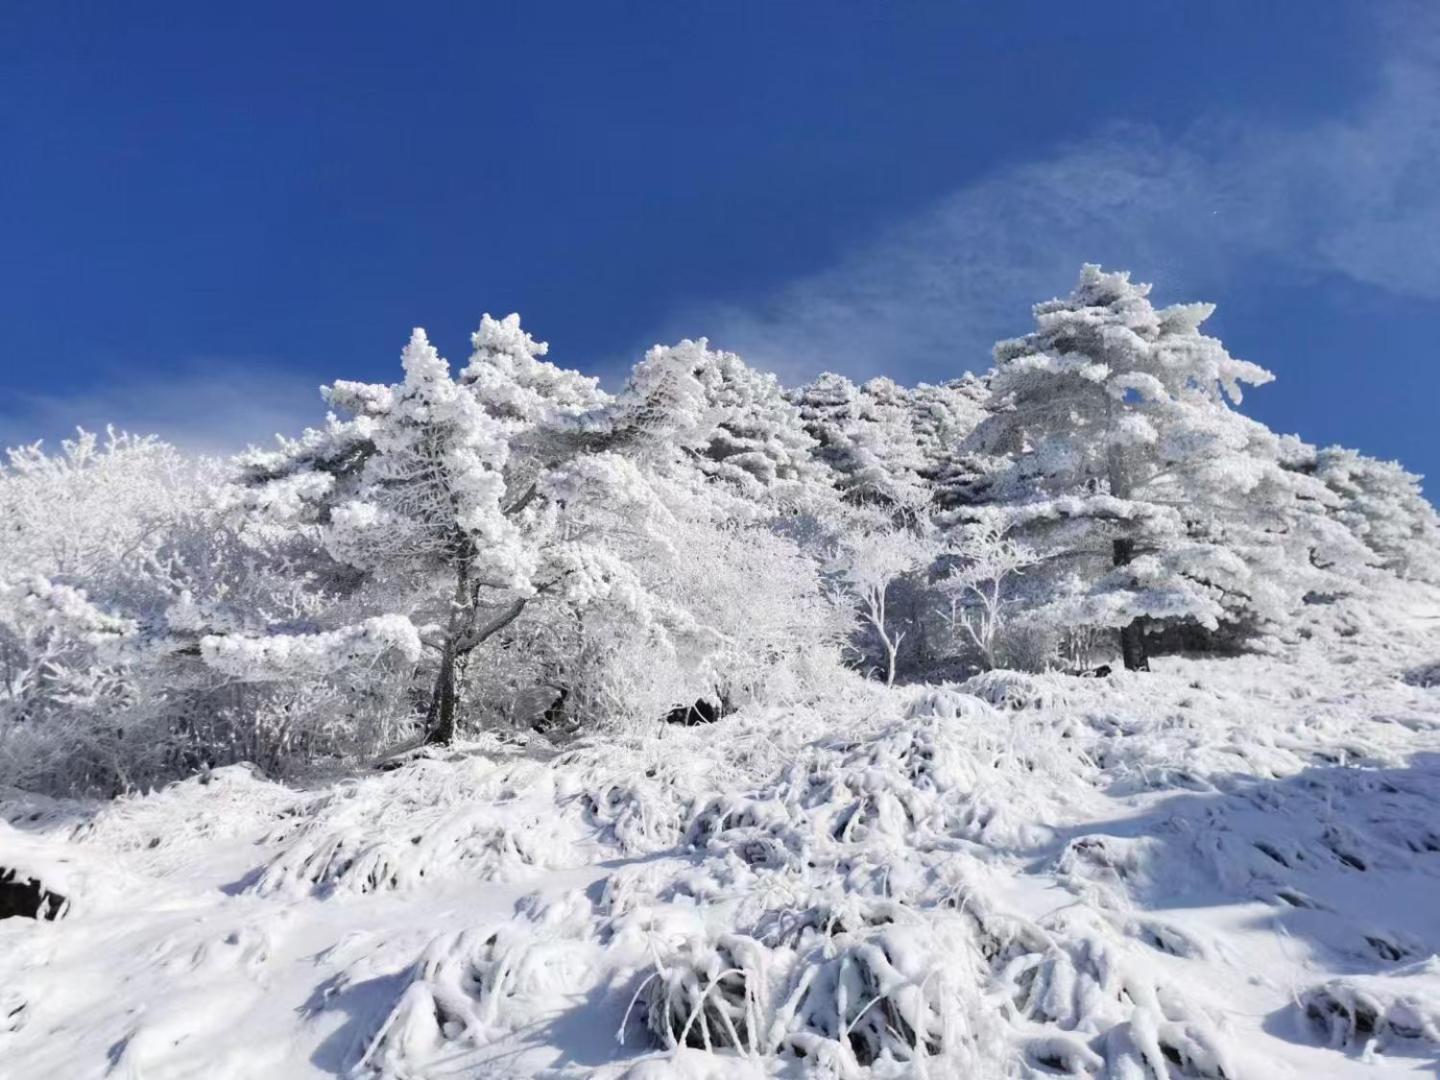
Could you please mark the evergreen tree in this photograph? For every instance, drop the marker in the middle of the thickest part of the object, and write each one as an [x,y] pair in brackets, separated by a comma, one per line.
[733,421]
[454,505]
[1128,470]
[1381,503]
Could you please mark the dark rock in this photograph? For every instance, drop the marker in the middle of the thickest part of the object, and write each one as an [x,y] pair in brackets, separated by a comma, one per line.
[27,898]
[701,712]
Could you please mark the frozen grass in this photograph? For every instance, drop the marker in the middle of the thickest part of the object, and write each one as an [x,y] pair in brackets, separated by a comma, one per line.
[1224,868]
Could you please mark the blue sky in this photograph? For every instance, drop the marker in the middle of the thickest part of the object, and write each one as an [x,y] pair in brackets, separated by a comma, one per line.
[211,209]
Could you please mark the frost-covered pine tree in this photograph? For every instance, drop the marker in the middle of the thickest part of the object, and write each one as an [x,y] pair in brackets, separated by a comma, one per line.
[547,413]
[888,446]
[410,493]
[867,436]
[943,416]
[1147,496]
[733,420]
[453,505]
[1381,503]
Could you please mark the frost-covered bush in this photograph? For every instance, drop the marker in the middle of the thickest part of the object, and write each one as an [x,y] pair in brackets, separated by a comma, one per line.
[130,620]
[1425,675]
[751,621]
[1385,1012]
[1016,689]
[103,539]
[83,530]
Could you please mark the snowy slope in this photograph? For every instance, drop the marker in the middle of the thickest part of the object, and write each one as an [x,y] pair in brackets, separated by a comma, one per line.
[1227,867]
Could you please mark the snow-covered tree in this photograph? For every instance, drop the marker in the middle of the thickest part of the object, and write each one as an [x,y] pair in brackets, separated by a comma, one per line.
[867,567]
[733,421]
[449,504]
[516,540]
[867,436]
[419,505]
[1381,503]
[1129,471]
[976,585]
[889,447]
[454,505]
[943,416]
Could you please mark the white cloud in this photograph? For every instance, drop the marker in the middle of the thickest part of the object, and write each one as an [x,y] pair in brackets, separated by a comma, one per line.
[1356,195]
[218,408]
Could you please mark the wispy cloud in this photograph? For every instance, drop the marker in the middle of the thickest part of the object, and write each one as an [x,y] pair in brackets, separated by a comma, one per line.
[218,408]
[1356,195]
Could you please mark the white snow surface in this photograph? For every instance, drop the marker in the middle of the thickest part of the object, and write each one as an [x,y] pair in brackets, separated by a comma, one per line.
[1223,868]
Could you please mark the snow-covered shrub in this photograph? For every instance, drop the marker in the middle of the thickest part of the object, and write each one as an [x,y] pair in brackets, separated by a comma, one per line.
[495,822]
[99,541]
[749,621]
[1361,1011]
[1424,675]
[1016,689]
[470,986]
[885,996]
[705,996]
[845,1000]
[643,805]
[946,703]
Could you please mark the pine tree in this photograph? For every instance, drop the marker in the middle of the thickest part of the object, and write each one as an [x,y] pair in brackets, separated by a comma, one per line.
[1127,468]
[733,420]
[457,504]
[1382,505]
[875,439]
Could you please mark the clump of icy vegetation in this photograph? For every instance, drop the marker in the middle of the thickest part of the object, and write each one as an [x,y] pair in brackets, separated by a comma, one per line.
[1220,868]
[1060,722]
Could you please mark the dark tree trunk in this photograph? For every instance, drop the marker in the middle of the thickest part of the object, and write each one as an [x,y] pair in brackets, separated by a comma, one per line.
[440,717]
[1132,647]
[1132,636]
[440,722]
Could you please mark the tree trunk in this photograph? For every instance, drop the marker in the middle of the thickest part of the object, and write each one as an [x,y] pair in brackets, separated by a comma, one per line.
[1132,636]
[440,723]
[440,717]
[1132,647]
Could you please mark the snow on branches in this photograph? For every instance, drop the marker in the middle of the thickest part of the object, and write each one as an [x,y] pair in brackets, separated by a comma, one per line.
[286,655]
[1124,463]
[448,545]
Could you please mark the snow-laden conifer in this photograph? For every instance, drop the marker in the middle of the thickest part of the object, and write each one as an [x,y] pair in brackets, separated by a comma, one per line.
[1123,461]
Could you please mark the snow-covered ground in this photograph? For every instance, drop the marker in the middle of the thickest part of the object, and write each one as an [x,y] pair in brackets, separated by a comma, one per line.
[1227,867]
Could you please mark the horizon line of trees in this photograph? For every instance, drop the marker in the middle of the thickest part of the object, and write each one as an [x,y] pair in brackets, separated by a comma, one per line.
[511,546]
